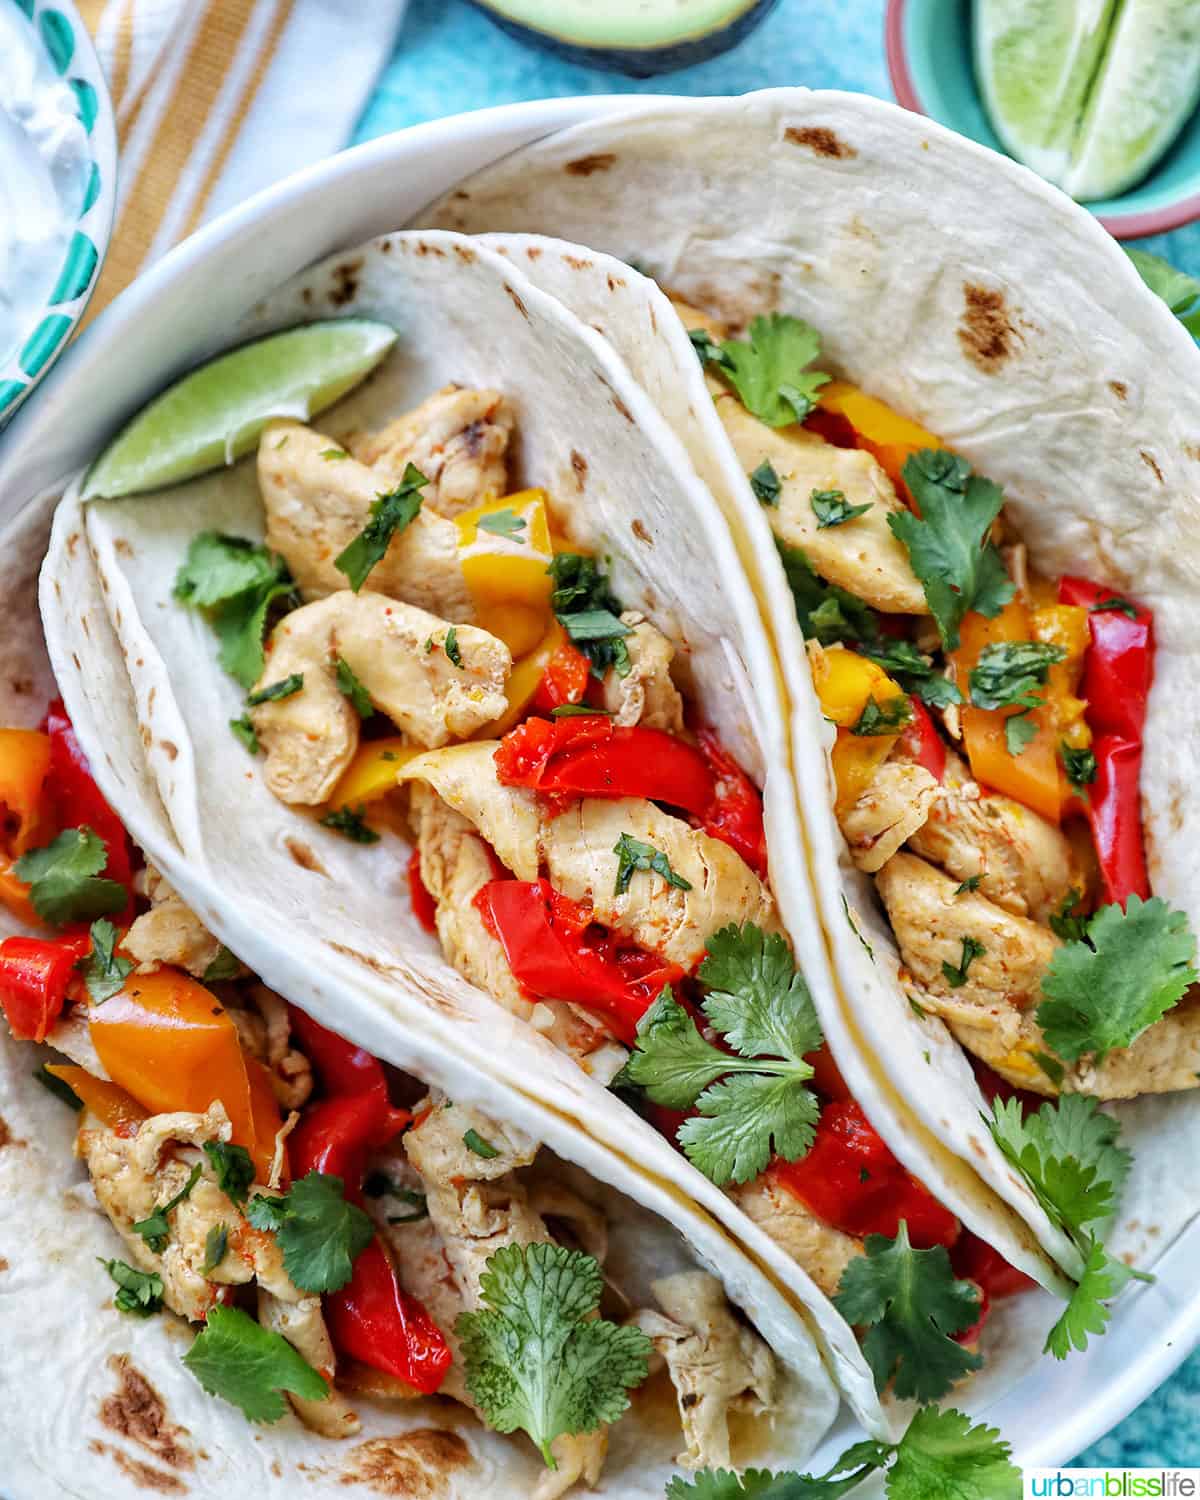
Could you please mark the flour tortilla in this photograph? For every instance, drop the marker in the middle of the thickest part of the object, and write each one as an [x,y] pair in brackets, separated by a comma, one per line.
[328,922]
[98,1405]
[961,289]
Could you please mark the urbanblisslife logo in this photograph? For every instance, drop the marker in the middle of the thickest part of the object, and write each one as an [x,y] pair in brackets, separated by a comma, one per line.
[1112,1484]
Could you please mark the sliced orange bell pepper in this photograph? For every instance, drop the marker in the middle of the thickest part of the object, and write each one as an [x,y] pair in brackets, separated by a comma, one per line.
[845,683]
[1034,777]
[372,772]
[14,895]
[24,764]
[505,568]
[884,433]
[107,1101]
[171,1044]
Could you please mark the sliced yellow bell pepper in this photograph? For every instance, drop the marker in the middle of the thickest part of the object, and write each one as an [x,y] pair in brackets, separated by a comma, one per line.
[884,433]
[523,681]
[845,683]
[107,1101]
[505,568]
[372,772]
[1065,625]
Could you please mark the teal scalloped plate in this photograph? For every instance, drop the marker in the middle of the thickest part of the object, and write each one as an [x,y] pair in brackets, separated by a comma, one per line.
[64,37]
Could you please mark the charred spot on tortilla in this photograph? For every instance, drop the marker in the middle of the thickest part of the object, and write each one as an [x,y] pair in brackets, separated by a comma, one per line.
[122,548]
[516,302]
[1152,464]
[169,749]
[987,332]
[584,166]
[821,141]
[6,1136]
[577,263]
[142,1474]
[622,408]
[532,251]
[416,1465]
[1119,389]
[306,296]
[641,533]
[135,1410]
[345,281]
[465,254]
[304,856]
[4,1266]
[614,282]
[579,465]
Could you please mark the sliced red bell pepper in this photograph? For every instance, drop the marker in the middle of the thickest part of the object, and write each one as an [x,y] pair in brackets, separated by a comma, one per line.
[1118,670]
[547,941]
[335,1135]
[35,975]
[565,679]
[735,814]
[346,1069]
[592,757]
[920,742]
[373,1319]
[852,1181]
[423,905]
[976,1259]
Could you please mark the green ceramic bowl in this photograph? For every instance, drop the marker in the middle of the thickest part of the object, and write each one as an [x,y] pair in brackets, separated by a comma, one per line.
[929,58]
[64,39]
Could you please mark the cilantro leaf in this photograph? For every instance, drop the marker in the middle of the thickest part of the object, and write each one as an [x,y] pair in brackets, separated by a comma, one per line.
[504,523]
[59,1087]
[1105,990]
[1087,1312]
[633,855]
[767,370]
[972,949]
[245,731]
[350,823]
[757,997]
[474,1142]
[948,546]
[826,613]
[450,647]
[225,965]
[247,1365]
[670,1059]
[64,879]
[708,350]
[350,687]
[1080,766]
[913,670]
[391,513]
[971,883]
[831,508]
[1068,922]
[104,970]
[943,1457]
[233,1168]
[761,1484]
[764,481]
[587,610]
[913,1305]
[216,1242]
[1008,672]
[266,1213]
[138,1292]
[156,1229]
[235,582]
[274,692]
[1177,289]
[746,1119]
[883,718]
[319,1232]
[333,455]
[1019,732]
[534,1356]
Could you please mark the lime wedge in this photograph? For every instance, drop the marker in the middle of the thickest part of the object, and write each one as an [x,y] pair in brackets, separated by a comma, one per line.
[1035,61]
[216,414]
[1146,90]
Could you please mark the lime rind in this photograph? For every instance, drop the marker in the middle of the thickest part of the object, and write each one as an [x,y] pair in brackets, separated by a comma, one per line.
[215,415]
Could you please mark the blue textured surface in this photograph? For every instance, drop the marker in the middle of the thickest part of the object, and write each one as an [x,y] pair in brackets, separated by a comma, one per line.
[450,58]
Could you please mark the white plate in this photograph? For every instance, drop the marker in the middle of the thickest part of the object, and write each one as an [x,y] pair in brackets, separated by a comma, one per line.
[172,318]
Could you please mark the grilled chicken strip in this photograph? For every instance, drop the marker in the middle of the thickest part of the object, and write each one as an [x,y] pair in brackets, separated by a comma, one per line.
[507,817]
[822,1251]
[458,439]
[861,555]
[170,932]
[315,508]
[717,1365]
[645,695]
[890,811]
[400,656]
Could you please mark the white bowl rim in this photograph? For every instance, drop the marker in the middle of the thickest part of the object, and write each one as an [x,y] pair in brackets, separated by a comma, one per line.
[205,283]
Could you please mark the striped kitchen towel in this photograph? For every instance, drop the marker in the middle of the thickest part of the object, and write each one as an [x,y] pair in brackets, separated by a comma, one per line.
[215,99]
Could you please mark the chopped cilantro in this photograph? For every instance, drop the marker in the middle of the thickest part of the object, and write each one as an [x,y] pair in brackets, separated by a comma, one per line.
[1115,603]
[266,1213]
[971,883]
[768,370]
[912,1305]
[707,348]
[1068,922]
[237,584]
[633,855]
[245,731]
[831,508]
[826,613]
[1008,672]
[475,1143]
[1020,730]
[450,646]
[155,1230]
[765,483]
[247,1365]
[233,1168]
[1177,289]
[216,1242]
[1051,1066]
[333,455]
[351,687]
[59,1087]
[580,711]
[319,1232]
[64,877]
[225,965]
[1080,766]
[883,718]
[380,1185]
[138,1292]
[1104,989]
[535,1357]
[104,970]
[286,687]
[391,513]
[504,523]
[948,544]
[972,949]
[586,608]
[350,823]
[912,669]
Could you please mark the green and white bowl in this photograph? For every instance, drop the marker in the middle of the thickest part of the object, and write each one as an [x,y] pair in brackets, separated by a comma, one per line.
[64,39]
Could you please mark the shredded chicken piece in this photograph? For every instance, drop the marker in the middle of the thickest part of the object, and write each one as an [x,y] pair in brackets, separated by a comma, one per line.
[1024,863]
[311,736]
[716,1364]
[303,1325]
[507,817]
[861,555]
[265,1033]
[645,695]
[170,932]
[315,507]
[889,812]
[822,1251]
[458,439]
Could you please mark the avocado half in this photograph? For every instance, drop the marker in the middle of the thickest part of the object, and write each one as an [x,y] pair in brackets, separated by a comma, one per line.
[637,37]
